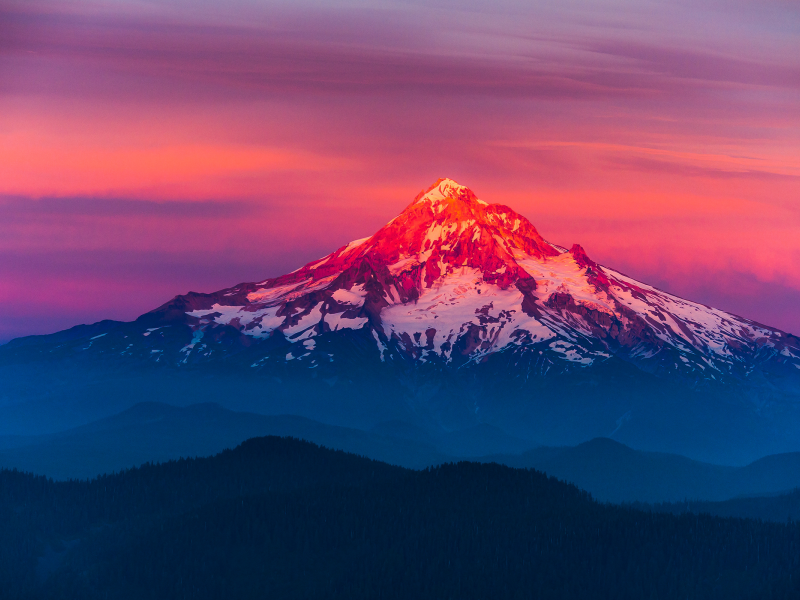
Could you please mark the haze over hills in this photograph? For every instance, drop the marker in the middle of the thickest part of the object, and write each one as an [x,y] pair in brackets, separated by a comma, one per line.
[456,315]
[610,471]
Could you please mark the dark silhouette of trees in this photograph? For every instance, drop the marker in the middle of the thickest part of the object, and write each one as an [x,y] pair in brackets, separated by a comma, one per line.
[281,518]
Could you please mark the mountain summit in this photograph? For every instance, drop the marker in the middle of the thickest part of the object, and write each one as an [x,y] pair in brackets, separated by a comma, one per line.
[454,279]
[459,313]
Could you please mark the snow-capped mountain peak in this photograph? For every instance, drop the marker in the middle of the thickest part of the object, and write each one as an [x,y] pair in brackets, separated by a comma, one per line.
[454,280]
[445,189]
[447,227]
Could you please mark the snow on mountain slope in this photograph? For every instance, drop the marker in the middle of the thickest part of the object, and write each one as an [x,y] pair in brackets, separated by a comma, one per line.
[453,279]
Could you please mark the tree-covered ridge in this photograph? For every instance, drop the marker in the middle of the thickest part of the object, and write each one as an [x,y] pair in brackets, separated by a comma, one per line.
[286,519]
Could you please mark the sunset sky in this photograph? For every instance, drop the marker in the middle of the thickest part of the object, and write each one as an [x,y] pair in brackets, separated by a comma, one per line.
[151,148]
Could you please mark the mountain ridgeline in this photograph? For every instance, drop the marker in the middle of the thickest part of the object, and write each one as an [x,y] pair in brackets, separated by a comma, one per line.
[455,314]
[277,517]
[610,471]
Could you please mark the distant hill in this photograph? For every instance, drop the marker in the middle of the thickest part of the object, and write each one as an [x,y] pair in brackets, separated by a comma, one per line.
[156,432]
[610,471]
[616,473]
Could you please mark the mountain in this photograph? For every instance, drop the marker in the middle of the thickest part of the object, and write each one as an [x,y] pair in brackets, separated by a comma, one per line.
[286,519]
[454,280]
[455,314]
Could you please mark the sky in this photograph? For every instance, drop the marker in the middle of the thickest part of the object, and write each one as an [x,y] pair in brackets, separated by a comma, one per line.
[152,148]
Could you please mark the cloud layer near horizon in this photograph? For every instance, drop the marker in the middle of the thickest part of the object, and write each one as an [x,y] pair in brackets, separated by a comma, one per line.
[149,148]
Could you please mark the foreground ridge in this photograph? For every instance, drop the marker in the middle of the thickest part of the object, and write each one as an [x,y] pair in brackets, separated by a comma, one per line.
[302,521]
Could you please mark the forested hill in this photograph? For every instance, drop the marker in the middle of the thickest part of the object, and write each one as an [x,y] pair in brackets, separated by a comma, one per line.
[281,518]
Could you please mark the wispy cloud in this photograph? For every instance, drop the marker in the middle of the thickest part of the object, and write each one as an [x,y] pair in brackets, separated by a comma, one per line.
[686,169]
[708,67]
[22,207]
[353,52]
[268,61]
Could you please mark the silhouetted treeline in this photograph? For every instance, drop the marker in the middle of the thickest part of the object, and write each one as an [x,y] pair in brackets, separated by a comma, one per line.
[778,507]
[278,518]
